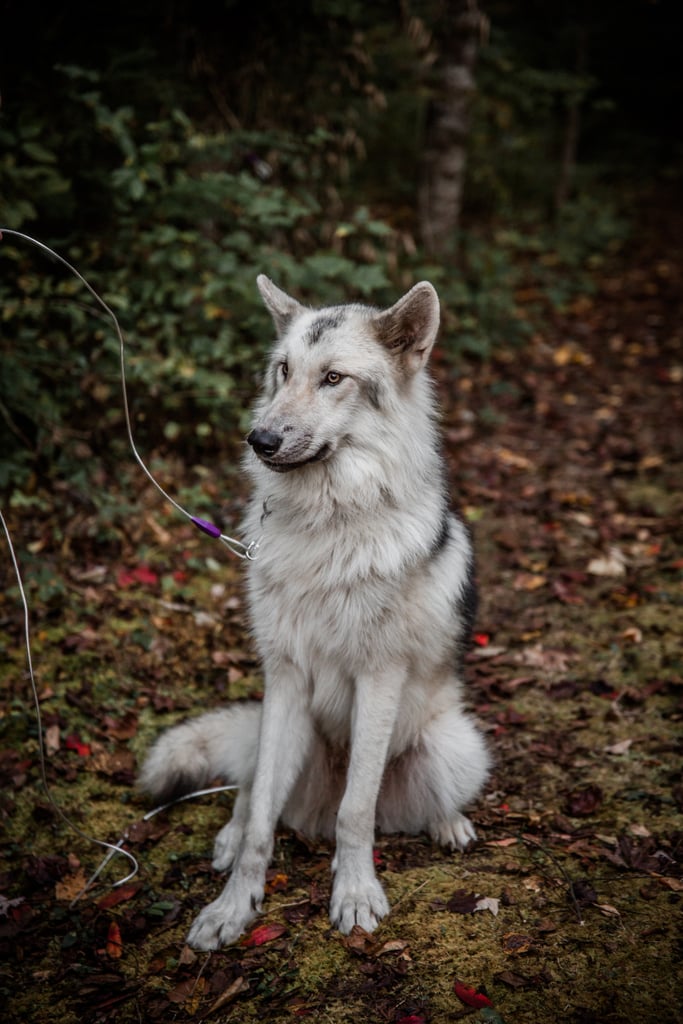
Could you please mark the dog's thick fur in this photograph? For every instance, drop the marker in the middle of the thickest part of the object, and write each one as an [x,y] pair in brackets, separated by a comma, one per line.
[361,600]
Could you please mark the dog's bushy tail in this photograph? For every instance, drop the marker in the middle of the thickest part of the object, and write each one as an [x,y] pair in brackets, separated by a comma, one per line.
[218,745]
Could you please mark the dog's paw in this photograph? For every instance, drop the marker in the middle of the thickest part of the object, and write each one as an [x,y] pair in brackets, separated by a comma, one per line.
[222,922]
[456,833]
[226,846]
[360,902]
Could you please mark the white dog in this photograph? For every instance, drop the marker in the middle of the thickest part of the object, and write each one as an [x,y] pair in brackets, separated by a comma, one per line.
[361,599]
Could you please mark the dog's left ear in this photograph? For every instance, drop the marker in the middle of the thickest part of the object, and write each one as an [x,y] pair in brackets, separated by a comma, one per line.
[410,327]
[281,306]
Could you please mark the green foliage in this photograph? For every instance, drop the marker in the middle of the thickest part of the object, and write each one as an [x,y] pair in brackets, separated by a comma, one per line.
[192,225]
[171,217]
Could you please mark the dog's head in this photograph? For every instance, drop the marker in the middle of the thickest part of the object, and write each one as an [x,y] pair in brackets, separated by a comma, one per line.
[331,368]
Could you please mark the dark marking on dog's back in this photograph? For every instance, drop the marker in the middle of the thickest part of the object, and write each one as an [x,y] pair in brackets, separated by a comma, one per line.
[326,322]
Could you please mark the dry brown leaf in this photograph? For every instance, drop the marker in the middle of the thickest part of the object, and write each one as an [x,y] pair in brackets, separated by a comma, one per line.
[608,910]
[529,581]
[71,886]
[52,740]
[238,986]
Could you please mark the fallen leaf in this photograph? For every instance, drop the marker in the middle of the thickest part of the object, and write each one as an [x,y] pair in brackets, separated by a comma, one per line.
[264,933]
[238,986]
[74,742]
[581,803]
[68,888]
[674,884]
[488,652]
[516,943]
[547,658]
[488,903]
[462,902]
[52,740]
[570,353]
[528,581]
[122,728]
[119,895]
[470,997]
[188,994]
[6,906]
[514,981]
[278,883]
[608,910]
[359,940]
[583,892]
[114,945]
[392,946]
[141,574]
[187,957]
[512,459]
[611,564]
[618,748]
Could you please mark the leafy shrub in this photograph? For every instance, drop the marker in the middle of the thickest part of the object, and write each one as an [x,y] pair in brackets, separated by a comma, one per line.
[195,217]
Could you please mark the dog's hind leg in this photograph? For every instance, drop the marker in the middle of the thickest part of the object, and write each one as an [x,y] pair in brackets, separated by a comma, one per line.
[427,787]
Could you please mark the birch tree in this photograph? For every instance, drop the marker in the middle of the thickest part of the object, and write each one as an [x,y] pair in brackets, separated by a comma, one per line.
[458,30]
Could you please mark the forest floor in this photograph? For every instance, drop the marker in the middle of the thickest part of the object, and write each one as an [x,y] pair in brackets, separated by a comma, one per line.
[567,459]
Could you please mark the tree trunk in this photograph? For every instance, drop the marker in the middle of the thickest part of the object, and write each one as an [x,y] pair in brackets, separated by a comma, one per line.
[565,181]
[443,163]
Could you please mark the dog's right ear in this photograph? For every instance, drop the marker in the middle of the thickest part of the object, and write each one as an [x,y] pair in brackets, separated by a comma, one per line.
[281,306]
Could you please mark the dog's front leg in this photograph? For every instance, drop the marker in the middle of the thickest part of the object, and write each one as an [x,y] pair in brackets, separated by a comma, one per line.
[357,896]
[284,742]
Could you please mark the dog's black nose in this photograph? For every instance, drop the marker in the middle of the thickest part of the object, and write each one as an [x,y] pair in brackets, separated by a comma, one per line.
[264,442]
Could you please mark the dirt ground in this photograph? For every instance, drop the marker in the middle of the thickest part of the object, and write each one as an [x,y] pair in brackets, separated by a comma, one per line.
[567,460]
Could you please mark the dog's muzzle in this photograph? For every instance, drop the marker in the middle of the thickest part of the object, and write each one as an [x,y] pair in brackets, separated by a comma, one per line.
[267,444]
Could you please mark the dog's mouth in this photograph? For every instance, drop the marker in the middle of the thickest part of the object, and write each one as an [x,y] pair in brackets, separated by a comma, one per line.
[282,466]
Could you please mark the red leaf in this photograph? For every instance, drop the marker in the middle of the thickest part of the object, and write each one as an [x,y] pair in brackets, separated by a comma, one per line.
[74,742]
[264,933]
[116,896]
[141,574]
[470,997]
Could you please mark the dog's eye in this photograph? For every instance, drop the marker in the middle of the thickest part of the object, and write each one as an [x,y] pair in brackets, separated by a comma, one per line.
[284,369]
[333,378]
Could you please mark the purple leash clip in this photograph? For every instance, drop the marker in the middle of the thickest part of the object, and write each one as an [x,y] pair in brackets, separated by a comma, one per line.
[206,527]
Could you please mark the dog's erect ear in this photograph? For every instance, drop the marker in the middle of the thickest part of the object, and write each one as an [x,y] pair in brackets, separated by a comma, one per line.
[410,327]
[282,307]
